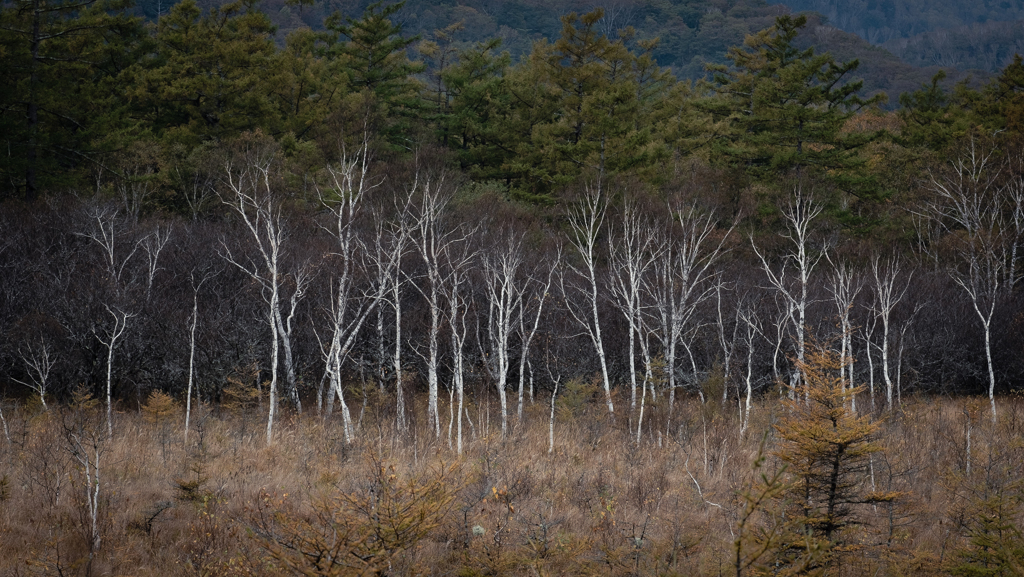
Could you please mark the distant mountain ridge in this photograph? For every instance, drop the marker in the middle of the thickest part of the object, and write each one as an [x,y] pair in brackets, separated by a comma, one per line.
[692,33]
[981,34]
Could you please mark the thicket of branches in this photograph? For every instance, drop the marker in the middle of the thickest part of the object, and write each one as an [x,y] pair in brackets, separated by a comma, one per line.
[385,279]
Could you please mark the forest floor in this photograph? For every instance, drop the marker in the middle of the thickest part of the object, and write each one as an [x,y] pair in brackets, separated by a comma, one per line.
[144,501]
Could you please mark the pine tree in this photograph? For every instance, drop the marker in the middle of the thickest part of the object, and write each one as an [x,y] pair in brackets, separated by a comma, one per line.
[995,544]
[602,103]
[372,52]
[60,105]
[931,119]
[783,110]
[207,78]
[826,448]
[480,99]
[988,508]
[307,88]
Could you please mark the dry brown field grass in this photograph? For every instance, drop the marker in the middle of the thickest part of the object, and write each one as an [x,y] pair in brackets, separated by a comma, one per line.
[227,503]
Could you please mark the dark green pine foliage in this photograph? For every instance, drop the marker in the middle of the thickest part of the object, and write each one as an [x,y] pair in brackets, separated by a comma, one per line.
[373,53]
[61,111]
[306,87]
[440,53]
[784,111]
[207,79]
[995,546]
[999,106]
[935,120]
[584,105]
[929,119]
[990,516]
[589,75]
[479,101]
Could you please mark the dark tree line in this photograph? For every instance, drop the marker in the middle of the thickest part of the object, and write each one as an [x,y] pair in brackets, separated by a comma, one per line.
[336,220]
[95,100]
[395,278]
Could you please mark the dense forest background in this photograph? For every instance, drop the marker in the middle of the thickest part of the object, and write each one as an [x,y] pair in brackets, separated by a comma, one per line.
[139,153]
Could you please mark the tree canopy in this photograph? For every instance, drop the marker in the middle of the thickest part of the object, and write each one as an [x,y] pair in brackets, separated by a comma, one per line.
[783,111]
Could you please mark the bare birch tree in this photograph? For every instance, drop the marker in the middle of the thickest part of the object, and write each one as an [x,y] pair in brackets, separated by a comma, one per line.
[845,287]
[985,218]
[86,446]
[726,343]
[680,283]
[250,194]
[458,309]
[586,218]
[888,294]
[434,238]
[347,184]
[505,290]
[117,250]
[867,332]
[39,358]
[533,304]
[152,245]
[197,283]
[391,241]
[799,216]
[751,328]
[632,251]
[109,338]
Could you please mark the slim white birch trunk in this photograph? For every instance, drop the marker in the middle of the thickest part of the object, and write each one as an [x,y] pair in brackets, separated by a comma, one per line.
[250,195]
[116,332]
[342,196]
[681,283]
[585,221]
[984,217]
[434,239]
[799,215]
[457,310]
[192,349]
[39,361]
[527,332]
[633,250]
[751,329]
[867,331]
[844,290]
[888,294]
[501,268]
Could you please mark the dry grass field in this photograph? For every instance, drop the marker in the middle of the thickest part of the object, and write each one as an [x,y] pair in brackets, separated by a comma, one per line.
[75,501]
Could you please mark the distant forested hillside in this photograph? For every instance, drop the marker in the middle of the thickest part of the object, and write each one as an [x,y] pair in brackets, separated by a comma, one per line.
[880,22]
[691,33]
[950,33]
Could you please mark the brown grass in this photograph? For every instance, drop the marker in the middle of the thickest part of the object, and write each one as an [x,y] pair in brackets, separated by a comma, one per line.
[599,504]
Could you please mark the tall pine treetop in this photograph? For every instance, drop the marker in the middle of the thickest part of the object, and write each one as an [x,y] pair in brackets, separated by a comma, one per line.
[783,110]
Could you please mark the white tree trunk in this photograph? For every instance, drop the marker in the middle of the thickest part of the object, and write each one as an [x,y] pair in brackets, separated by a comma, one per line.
[632,257]
[680,285]
[526,335]
[888,295]
[251,197]
[115,333]
[191,361]
[505,307]
[434,242]
[458,305]
[799,216]
[551,420]
[585,221]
